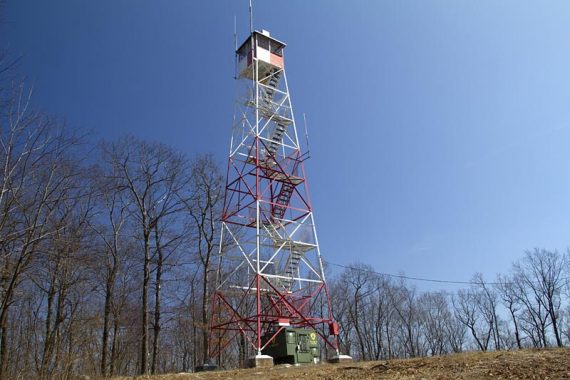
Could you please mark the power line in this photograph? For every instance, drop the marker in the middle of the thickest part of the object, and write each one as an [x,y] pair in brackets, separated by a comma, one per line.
[401,276]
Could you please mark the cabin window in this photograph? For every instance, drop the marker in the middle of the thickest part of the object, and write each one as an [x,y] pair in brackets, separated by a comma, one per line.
[263,42]
[244,50]
[277,49]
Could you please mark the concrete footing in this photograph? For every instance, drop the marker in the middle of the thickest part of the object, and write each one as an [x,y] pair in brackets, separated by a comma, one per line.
[206,367]
[260,361]
[341,359]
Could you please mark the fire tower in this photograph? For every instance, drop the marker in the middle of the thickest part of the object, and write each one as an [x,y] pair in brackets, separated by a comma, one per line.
[270,275]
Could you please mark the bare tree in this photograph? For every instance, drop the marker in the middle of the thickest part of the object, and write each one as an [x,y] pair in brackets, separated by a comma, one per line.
[456,333]
[361,288]
[487,303]
[404,302]
[168,238]
[340,298]
[541,272]
[35,178]
[379,331]
[436,318]
[110,229]
[153,176]
[467,312]
[204,209]
[64,264]
[507,291]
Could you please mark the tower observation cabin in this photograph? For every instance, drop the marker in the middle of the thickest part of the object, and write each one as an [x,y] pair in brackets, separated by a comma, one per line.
[267,50]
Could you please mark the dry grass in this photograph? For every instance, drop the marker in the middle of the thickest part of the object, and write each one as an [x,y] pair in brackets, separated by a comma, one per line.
[525,364]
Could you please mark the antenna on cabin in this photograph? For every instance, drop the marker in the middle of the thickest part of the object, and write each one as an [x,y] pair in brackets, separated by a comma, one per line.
[250,17]
[235,47]
[235,33]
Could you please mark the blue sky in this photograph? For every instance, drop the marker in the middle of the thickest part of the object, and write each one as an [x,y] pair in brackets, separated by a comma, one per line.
[439,131]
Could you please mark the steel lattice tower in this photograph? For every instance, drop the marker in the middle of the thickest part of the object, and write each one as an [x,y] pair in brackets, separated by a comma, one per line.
[270,273]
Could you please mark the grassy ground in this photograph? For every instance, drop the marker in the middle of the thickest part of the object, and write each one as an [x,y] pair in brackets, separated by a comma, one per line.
[525,364]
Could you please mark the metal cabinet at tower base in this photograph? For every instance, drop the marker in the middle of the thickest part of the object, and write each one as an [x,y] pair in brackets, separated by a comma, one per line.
[293,346]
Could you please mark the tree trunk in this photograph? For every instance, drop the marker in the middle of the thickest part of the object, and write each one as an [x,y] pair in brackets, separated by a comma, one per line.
[242,352]
[205,319]
[517,334]
[552,312]
[6,301]
[48,342]
[106,320]
[477,340]
[70,348]
[357,328]
[114,346]
[194,334]
[155,343]
[59,315]
[144,309]
[3,347]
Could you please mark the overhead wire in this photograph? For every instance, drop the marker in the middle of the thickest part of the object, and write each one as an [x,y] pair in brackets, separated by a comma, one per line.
[404,277]
[423,279]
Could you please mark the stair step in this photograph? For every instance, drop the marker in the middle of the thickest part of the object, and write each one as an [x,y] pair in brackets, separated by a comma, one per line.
[272,83]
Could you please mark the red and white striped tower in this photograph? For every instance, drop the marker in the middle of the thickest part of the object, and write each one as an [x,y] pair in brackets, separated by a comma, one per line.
[270,272]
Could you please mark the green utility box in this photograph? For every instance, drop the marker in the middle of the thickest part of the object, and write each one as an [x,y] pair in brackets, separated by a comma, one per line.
[293,346]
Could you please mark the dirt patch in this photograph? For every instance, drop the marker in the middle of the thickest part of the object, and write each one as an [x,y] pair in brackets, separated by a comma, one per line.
[551,364]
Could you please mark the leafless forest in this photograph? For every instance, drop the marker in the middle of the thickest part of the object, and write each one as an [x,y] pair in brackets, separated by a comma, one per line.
[108,255]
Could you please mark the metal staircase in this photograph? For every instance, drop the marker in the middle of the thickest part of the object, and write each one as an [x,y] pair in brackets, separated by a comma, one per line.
[276,138]
[282,200]
[269,110]
[274,76]
[295,249]
[291,269]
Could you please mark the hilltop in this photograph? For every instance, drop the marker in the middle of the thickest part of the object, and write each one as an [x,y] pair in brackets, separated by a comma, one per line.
[524,364]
